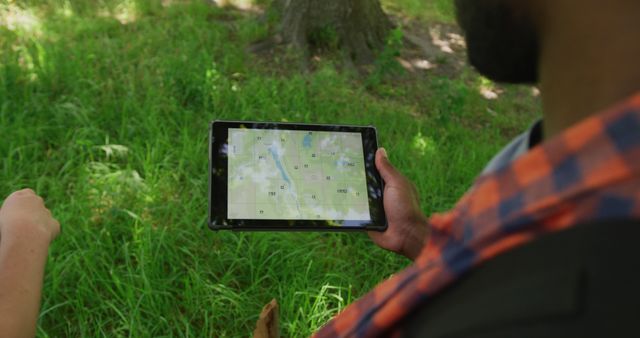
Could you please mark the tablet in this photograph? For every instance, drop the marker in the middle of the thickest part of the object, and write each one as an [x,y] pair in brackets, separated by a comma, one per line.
[289,176]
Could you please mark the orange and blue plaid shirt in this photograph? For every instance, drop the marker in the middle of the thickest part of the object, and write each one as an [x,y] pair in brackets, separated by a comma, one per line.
[591,172]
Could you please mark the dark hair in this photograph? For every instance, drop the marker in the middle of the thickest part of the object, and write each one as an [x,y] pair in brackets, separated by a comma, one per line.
[503,44]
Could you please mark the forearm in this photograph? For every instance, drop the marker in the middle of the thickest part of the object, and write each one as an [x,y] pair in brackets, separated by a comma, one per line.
[22,260]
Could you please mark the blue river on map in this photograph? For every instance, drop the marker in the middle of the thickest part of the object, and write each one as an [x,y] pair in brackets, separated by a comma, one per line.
[276,158]
[306,141]
[274,154]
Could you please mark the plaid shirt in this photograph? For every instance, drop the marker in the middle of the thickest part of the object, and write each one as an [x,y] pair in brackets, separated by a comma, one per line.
[590,172]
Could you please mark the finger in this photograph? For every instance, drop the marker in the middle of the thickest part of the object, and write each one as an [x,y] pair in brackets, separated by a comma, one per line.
[32,199]
[389,173]
[20,194]
[17,193]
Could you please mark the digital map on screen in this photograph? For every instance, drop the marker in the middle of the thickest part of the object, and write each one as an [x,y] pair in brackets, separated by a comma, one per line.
[296,175]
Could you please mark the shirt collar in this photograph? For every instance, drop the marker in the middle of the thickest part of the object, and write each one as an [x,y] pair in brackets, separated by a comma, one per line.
[595,153]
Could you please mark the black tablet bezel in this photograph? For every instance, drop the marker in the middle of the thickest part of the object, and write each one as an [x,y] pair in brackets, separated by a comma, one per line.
[218,166]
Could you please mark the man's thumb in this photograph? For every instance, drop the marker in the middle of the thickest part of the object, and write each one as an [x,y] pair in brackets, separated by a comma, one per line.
[386,169]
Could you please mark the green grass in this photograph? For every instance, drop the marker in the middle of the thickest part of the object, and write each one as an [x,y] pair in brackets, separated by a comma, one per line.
[433,10]
[108,121]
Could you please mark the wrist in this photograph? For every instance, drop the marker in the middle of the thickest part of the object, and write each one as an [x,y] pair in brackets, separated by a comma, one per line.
[24,232]
[416,240]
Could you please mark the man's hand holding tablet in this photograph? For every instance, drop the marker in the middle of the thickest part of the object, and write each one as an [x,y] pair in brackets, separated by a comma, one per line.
[407,225]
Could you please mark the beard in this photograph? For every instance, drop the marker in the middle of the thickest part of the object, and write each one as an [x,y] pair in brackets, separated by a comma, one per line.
[502,43]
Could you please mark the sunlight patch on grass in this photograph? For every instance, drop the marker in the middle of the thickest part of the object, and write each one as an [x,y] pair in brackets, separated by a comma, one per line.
[488,89]
[245,5]
[446,42]
[430,10]
[18,19]
[31,57]
[112,185]
[113,188]
[65,10]
[114,150]
[125,12]
[424,145]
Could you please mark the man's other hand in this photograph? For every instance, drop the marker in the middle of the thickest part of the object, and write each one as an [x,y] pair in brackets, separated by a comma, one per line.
[26,230]
[23,213]
[407,231]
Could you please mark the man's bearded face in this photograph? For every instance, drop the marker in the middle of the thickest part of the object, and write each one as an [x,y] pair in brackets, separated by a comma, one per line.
[502,40]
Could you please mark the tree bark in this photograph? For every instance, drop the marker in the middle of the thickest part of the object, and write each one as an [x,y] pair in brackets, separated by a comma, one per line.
[361,26]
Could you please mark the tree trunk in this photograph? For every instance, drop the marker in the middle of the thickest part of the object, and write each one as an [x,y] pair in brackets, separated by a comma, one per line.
[360,26]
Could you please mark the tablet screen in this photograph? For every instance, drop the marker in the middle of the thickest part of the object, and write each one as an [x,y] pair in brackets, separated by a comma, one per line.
[293,176]
[296,174]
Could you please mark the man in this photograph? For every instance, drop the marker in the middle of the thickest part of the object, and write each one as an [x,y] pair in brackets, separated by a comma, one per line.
[580,165]
[26,230]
